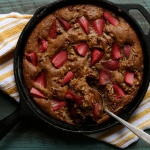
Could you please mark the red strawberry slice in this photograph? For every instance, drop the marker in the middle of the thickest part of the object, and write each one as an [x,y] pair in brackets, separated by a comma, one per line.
[98,26]
[53,30]
[42,45]
[84,24]
[82,49]
[104,77]
[96,56]
[59,59]
[110,18]
[67,78]
[127,51]
[37,93]
[78,99]
[57,104]
[32,58]
[129,78]
[69,95]
[96,110]
[66,25]
[115,53]
[118,91]
[111,64]
[41,78]
[72,96]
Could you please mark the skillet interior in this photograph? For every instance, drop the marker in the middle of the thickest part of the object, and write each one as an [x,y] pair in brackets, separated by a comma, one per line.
[38,16]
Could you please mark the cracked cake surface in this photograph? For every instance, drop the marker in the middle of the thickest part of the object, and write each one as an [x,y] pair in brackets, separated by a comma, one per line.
[76,52]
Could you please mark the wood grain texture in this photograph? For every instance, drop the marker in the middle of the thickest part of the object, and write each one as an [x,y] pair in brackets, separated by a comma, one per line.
[36,135]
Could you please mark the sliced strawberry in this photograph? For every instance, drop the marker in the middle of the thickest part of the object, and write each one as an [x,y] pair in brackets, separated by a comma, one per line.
[111,64]
[67,78]
[115,53]
[66,25]
[42,45]
[129,78]
[110,18]
[84,24]
[118,91]
[37,93]
[96,110]
[72,96]
[53,30]
[69,95]
[82,49]
[127,50]
[96,56]
[98,26]
[78,99]
[59,59]
[41,78]
[57,104]
[104,77]
[32,58]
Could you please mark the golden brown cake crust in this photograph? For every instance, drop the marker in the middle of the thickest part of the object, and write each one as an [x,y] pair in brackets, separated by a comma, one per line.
[85,82]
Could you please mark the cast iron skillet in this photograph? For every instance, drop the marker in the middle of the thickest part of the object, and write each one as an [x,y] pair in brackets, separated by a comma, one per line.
[28,108]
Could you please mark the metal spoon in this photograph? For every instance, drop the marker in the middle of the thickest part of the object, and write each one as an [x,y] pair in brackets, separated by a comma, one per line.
[141,134]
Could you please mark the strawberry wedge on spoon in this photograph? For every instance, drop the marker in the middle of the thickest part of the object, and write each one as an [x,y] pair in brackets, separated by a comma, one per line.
[96,110]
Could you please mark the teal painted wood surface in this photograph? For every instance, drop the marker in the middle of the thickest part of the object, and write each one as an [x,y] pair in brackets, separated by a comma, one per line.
[36,135]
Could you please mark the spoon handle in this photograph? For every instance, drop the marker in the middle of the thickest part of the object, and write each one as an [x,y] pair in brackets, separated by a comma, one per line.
[143,135]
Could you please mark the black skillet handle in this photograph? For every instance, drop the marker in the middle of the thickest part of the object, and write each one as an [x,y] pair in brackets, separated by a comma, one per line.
[9,122]
[145,13]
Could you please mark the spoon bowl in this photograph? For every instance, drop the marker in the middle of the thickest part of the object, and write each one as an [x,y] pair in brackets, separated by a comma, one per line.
[140,133]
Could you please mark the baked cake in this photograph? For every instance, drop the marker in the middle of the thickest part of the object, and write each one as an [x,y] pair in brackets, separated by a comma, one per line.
[74,54]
